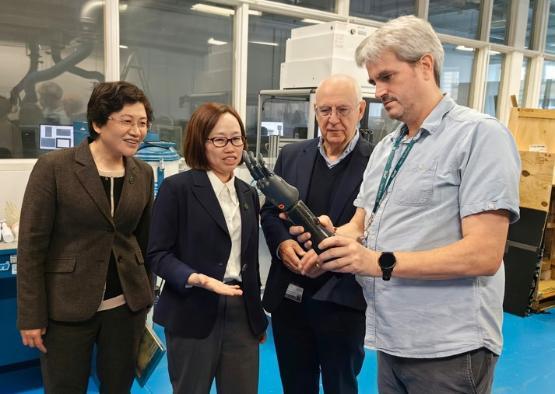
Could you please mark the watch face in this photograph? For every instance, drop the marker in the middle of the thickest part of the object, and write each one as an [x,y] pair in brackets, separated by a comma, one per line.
[387,260]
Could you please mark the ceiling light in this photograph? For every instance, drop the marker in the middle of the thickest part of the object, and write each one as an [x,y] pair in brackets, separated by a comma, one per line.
[123,46]
[272,44]
[314,21]
[210,9]
[463,48]
[213,41]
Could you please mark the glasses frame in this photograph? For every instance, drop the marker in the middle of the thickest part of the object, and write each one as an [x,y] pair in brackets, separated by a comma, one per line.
[334,109]
[134,123]
[228,140]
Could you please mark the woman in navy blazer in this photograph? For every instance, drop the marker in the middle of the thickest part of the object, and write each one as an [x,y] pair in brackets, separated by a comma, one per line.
[204,244]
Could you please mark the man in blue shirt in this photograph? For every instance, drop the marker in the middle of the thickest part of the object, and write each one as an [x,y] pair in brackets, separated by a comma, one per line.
[428,236]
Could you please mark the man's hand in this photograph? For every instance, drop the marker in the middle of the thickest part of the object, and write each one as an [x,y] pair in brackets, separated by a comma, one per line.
[304,236]
[214,285]
[310,266]
[33,338]
[344,254]
[290,252]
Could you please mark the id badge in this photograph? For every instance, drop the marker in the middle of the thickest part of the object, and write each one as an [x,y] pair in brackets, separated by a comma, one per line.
[294,293]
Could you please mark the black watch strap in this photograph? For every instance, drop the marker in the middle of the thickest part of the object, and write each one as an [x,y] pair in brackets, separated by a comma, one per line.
[386,273]
[387,262]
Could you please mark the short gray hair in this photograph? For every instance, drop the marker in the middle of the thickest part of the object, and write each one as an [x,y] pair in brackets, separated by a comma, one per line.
[408,37]
[346,78]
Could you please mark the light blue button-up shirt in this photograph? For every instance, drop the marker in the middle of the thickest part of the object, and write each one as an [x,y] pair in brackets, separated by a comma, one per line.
[463,162]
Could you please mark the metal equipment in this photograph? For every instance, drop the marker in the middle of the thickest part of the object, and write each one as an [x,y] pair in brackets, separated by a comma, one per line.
[313,53]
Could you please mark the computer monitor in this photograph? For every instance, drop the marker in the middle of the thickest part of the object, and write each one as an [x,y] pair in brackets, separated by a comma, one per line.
[56,136]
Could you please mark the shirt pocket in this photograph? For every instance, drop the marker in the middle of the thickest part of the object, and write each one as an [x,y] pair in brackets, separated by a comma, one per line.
[415,184]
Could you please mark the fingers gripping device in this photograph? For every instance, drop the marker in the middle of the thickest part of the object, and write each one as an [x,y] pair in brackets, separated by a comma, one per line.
[286,198]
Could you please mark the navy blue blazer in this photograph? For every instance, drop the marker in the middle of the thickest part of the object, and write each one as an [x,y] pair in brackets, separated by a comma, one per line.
[189,234]
[294,164]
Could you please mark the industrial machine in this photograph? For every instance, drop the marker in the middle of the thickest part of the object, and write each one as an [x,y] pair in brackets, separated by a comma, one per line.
[312,54]
[289,115]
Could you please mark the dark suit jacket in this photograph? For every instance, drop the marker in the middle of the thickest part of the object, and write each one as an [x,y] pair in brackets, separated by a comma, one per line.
[294,164]
[189,234]
[67,234]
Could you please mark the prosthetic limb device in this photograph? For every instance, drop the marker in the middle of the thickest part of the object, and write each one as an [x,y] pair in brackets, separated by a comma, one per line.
[286,198]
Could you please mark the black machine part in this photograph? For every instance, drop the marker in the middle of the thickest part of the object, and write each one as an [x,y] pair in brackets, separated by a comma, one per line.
[286,198]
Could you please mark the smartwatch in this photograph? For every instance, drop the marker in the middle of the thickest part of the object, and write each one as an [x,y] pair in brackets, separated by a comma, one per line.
[387,262]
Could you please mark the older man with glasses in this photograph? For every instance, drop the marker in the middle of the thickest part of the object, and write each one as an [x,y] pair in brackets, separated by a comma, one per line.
[317,317]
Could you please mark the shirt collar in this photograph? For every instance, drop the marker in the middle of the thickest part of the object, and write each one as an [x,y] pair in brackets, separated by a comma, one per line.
[219,186]
[350,147]
[433,121]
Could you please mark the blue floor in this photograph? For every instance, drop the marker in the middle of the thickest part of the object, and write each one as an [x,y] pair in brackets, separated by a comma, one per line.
[527,364]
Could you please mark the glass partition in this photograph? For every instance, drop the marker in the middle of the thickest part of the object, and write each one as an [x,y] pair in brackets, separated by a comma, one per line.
[55,51]
[181,55]
[455,17]
[550,39]
[547,96]
[323,5]
[495,73]
[381,10]
[530,23]
[500,21]
[456,76]
[268,35]
[524,72]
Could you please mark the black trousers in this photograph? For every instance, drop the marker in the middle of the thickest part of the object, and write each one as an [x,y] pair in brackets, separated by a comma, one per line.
[470,372]
[230,354]
[314,337]
[67,364]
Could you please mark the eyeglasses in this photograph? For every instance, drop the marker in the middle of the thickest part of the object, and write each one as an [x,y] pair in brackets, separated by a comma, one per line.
[220,142]
[340,112]
[128,123]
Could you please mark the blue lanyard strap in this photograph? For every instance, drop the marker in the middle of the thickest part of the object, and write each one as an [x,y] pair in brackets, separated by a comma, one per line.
[388,178]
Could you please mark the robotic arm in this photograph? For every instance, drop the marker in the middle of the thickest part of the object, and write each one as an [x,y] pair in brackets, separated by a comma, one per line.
[286,198]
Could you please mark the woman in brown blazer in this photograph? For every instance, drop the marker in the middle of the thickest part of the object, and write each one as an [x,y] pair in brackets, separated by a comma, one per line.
[84,226]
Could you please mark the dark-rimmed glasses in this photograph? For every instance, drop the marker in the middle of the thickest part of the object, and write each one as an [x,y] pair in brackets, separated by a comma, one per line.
[220,142]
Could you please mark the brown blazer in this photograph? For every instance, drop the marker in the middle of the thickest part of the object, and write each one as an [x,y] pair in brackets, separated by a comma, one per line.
[67,234]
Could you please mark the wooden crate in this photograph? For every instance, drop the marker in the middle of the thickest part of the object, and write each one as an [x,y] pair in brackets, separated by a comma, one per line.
[530,256]
[533,129]
[536,180]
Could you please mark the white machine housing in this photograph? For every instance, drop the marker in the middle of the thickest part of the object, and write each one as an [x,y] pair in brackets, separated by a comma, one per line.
[318,51]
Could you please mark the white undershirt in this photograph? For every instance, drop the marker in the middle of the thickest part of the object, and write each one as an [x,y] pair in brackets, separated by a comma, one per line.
[227,197]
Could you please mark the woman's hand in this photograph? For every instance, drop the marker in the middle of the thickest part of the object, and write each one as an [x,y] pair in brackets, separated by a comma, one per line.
[214,285]
[33,338]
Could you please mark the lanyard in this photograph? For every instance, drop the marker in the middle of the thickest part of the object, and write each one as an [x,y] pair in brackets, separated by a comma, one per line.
[387,178]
